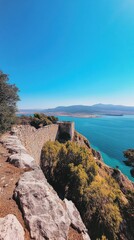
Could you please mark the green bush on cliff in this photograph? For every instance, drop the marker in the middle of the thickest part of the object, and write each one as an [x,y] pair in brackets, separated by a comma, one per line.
[72,171]
[69,166]
[8,100]
[101,201]
[40,120]
[37,120]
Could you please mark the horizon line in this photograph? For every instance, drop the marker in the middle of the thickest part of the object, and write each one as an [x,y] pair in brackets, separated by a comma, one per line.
[75,105]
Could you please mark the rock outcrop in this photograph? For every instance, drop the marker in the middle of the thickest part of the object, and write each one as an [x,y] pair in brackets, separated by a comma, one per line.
[45,214]
[43,211]
[83,141]
[75,218]
[129,154]
[19,156]
[124,183]
[22,160]
[13,144]
[10,228]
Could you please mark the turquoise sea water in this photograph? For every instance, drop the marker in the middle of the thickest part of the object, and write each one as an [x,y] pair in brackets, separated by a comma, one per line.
[110,135]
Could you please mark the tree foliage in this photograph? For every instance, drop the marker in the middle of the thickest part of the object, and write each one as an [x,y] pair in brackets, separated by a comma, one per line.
[102,198]
[8,99]
[37,120]
[72,171]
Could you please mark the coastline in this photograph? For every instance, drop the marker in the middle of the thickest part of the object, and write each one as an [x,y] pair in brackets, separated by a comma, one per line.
[103,137]
[77,115]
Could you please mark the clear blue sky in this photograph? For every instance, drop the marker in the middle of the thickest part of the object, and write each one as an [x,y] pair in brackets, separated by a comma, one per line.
[68,52]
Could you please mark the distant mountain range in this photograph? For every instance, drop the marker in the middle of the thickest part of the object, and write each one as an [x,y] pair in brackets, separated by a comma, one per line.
[105,109]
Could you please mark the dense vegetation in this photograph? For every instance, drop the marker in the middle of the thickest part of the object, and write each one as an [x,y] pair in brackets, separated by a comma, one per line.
[8,100]
[72,171]
[37,120]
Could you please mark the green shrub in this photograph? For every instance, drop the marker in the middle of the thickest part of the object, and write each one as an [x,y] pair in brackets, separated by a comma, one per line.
[72,171]
[102,208]
[8,100]
[37,120]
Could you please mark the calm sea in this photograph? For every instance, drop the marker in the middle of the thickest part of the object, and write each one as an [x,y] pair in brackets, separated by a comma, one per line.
[110,135]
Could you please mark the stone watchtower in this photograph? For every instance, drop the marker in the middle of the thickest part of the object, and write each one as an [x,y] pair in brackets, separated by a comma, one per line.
[66,131]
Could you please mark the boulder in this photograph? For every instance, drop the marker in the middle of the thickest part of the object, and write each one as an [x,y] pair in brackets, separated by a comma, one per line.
[16,148]
[22,160]
[14,130]
[10,228]
[19,158]
[13,144]
[44,213]
[75,218]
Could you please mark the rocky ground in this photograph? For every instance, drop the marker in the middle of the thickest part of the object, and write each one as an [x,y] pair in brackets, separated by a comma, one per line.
[9,176]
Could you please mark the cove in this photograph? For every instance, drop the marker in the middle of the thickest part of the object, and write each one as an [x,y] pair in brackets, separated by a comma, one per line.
[110,135]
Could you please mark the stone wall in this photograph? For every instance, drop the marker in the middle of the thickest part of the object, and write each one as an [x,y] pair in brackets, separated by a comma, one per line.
[34,139]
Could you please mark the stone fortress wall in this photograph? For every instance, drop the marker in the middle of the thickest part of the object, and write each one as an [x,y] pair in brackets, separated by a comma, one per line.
[67,127]
[34,139]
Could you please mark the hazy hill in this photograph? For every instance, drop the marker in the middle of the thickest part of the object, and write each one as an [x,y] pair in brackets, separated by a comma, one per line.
[94,109]
[81,109]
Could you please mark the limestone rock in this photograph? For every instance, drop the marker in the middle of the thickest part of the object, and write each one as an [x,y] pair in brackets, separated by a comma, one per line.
[43,211]
[81,140]
[75,218]
[97,155]
[13,144]
[22,160]
[85,236]
[10,228]
[16,148]
[122,180]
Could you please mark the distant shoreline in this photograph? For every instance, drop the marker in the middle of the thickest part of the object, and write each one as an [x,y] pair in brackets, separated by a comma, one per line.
[64,114]
[77,115]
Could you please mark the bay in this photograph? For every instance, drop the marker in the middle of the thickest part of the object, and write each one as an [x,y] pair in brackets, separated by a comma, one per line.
[110,135]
